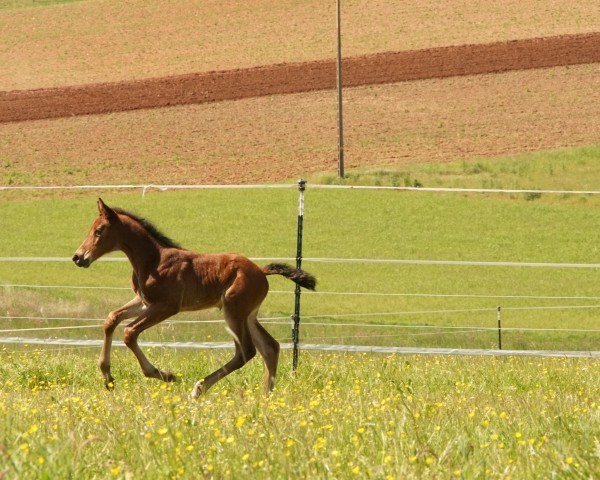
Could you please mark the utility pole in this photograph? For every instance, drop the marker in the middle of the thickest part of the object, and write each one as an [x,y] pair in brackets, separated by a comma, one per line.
[339,92]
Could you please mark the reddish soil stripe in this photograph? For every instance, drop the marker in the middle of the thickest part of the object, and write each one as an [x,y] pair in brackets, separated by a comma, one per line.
[380,68]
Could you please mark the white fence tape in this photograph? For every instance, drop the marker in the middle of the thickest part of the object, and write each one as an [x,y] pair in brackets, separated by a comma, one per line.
[310,293]
[287,321]
[318,347]
[166,187]
[459,263]
[148,187]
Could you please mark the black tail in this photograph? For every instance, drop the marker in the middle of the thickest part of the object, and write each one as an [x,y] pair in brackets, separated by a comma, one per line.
[296,275]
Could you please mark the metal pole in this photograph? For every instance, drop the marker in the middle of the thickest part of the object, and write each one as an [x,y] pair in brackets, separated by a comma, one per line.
[339,92]
[296,316]
[499,328]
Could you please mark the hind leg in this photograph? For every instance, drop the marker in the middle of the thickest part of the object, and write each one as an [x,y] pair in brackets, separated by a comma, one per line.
[244,350]
[268,348]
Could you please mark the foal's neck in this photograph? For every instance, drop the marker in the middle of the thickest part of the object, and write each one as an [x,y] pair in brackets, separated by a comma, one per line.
[142,250]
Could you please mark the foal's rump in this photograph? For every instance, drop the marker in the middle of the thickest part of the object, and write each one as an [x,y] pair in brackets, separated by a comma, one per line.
[227,266]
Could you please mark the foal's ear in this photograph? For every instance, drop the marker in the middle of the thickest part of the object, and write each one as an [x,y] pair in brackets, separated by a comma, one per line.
[105,210]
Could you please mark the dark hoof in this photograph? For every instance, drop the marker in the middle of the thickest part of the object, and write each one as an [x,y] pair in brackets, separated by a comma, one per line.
[168,377]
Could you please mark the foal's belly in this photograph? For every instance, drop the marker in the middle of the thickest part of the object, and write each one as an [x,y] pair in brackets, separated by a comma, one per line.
[201,304]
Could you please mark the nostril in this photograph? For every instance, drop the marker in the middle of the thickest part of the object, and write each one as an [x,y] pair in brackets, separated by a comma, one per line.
[75,258]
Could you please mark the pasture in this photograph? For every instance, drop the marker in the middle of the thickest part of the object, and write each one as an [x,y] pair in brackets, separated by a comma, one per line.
[342,416]
[364,303]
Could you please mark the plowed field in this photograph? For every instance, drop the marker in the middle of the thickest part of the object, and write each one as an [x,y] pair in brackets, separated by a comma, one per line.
[78,89]
[283,136]
[301,77]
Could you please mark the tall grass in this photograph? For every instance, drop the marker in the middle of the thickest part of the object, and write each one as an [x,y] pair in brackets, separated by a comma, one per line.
[341,416]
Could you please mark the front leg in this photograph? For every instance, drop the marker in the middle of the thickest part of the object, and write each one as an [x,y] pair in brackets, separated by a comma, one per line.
[130,309]
[155,313]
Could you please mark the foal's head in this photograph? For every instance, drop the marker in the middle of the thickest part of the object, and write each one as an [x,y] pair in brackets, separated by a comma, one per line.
[101,239]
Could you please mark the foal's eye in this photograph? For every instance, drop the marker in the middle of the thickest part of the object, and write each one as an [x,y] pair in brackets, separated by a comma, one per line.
[97,232]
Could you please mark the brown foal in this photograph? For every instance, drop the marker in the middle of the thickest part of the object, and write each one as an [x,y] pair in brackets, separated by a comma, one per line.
[168,279]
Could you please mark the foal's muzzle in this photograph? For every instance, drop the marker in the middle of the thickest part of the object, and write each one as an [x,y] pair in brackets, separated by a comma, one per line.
[81,260]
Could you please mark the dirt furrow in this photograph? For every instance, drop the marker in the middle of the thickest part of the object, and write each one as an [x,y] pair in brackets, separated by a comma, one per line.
[389,67]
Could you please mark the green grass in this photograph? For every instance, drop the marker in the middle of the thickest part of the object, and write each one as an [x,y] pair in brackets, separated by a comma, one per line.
[563,169]
[340,224]
[341,416]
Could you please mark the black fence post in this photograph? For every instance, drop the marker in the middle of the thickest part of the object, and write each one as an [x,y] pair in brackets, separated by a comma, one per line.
[296,316]
[499,328]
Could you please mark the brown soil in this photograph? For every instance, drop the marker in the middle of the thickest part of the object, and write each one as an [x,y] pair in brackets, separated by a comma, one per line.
[300,77]
[102,41]
[269,139]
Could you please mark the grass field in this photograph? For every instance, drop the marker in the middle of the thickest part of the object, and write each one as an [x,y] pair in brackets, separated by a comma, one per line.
[350,224]
[341,416]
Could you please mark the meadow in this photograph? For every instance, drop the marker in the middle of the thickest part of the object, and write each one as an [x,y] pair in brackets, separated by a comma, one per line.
[364,303]
[341,416]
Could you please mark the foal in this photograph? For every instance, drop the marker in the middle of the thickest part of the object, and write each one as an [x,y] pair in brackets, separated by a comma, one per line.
[168,279]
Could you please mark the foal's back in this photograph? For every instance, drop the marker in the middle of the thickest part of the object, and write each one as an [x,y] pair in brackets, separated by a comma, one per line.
[208,280]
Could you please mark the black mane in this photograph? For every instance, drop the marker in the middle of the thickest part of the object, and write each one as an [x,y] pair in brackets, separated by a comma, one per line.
[160,237]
